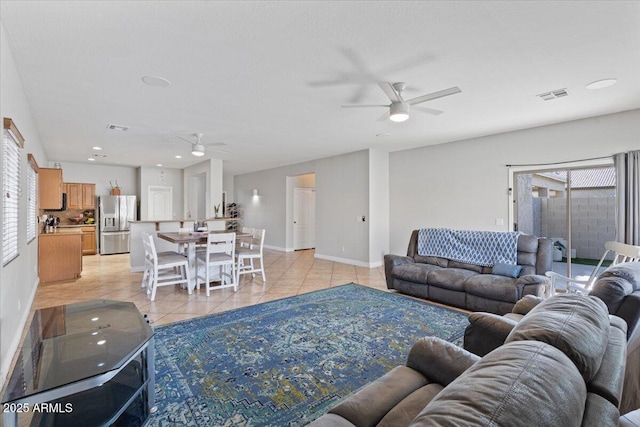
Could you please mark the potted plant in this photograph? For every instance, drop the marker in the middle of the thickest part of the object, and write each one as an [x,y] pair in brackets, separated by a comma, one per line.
[115,189]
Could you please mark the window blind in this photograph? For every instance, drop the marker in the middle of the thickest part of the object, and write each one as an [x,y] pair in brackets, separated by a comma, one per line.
[11,195]
[32,204]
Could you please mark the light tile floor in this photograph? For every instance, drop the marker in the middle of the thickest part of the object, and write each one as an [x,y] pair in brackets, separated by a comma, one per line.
[288,274]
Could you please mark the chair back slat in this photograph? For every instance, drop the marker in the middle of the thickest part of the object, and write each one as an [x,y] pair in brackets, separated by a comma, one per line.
[221,243]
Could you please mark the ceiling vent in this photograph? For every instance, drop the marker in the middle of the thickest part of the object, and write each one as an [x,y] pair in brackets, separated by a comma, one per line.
[558,93]
[117,127]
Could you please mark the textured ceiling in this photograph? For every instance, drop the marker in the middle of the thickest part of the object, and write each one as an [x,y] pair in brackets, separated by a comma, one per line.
[268,78]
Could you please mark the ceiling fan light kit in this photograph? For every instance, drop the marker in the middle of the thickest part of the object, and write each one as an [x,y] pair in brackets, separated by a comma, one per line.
[399,107]
[399,111]
[197,150]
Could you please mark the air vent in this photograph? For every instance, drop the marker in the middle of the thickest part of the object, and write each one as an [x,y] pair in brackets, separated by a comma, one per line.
[558,93]
[118,127]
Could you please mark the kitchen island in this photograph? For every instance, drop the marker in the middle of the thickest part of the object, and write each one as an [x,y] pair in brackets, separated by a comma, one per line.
[60,255]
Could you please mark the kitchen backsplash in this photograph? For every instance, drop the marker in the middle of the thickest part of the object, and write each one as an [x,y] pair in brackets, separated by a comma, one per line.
[67,217]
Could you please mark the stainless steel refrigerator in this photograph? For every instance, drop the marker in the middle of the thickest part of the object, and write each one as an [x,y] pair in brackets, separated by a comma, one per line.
[115,214]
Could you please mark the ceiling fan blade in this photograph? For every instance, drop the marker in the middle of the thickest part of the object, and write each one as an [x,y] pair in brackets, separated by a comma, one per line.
[185,139]
[383,117]
[389,91]
[428,110]
[434,95]
[363,106]
[218,150]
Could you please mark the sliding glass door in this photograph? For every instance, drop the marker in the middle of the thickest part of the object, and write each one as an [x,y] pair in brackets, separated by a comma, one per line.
[574,207]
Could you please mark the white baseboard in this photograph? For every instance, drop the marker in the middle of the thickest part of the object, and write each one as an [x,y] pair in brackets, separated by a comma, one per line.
[137,269]
[15,342]
[278,248]
[349,261]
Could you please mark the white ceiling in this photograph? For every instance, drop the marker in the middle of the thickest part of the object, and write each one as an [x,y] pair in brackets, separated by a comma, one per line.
[250,73]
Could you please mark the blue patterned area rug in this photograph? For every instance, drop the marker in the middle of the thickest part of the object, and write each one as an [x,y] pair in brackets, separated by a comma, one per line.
[286,362]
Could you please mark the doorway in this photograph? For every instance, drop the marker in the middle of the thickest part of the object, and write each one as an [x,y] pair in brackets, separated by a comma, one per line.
[572,206]
[304,218]
[160,203]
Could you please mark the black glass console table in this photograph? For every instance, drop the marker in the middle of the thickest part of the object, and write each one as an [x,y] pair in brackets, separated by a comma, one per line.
[84,364]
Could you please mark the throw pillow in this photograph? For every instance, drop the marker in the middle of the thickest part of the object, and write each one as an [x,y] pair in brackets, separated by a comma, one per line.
[508,270]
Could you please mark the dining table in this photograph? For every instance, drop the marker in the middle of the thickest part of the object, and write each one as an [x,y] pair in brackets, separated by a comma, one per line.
[192,239]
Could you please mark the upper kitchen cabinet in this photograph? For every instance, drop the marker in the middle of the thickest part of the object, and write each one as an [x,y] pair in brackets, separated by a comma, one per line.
[50,188]
[80,196]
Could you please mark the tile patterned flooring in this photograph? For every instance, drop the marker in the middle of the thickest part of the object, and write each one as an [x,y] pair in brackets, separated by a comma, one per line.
[288,274]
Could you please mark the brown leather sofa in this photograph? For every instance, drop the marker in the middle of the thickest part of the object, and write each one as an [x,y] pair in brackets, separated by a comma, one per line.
[562,365]
[618,287]
[470,286]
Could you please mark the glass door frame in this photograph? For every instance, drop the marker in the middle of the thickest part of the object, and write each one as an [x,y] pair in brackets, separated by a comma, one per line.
[514,170]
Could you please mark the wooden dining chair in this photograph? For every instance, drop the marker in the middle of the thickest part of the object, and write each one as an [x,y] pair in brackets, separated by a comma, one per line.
[221,249]
[253,252]
[167,268]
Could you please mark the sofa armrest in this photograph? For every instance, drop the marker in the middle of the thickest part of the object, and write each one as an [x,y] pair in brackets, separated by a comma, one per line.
[439,360]
[486,332]
[531,285]
[391,261]
[526,304]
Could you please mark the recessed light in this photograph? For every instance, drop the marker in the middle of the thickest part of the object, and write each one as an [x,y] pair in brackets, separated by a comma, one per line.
[97,148]
[159,165]
[178,157]
[599,84]
[156,81]
[92,159]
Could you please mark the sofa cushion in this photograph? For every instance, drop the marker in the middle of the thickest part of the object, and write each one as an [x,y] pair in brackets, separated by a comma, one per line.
[433,260]
[494,287]
[404,412]
[368,406]
[575,324]
[465,266]
[413,272]
[507,270]
[512,386]
[450,278]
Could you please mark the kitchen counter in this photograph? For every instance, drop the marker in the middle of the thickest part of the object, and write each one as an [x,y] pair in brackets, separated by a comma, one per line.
[60,255]
[63,230]
[75,225]
[158,221]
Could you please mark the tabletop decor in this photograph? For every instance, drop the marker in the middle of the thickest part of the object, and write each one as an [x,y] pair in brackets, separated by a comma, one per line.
[288,361]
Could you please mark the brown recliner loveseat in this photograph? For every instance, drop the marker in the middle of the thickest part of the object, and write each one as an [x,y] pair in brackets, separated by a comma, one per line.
[562,365]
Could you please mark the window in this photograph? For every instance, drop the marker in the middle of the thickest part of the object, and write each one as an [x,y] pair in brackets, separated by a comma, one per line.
[12,143]
[32,203]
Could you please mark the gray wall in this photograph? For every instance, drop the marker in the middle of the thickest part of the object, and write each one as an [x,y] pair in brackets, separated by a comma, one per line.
[19,278]
[100,175]
[342,194]
[464,184]
[149,176]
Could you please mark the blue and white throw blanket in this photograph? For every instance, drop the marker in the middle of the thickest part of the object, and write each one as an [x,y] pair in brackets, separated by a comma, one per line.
[484,248]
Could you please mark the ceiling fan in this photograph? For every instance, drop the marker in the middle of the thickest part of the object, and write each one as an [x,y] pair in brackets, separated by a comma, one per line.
[399,107]
[197,147]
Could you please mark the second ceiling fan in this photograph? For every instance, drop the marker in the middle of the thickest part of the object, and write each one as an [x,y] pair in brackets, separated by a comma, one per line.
[399,107]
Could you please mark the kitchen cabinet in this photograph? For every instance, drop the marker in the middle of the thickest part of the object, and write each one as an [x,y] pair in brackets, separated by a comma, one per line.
[80,196]
[50,188]
[88,196]
[89,240]
[60,255]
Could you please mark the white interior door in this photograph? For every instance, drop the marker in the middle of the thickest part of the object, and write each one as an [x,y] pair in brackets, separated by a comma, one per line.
[160,203]
[304,218]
